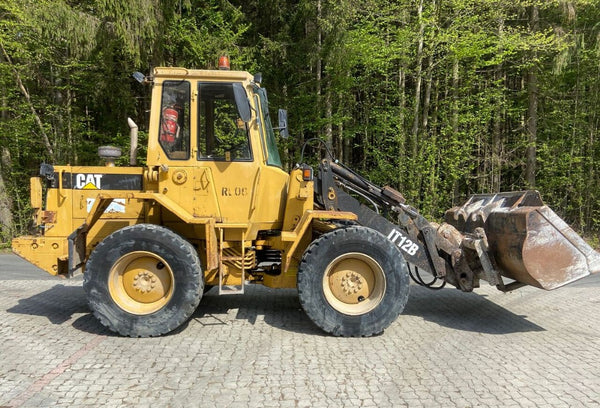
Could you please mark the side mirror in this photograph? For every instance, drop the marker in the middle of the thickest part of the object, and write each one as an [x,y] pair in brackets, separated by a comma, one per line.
[283,123]
[141,78]
[242,102]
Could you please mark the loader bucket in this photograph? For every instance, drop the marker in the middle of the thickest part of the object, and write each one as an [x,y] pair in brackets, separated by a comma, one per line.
[528,242]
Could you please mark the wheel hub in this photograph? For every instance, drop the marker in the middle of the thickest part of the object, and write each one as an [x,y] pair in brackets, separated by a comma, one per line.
[354,283]
[144,282]
[141,282]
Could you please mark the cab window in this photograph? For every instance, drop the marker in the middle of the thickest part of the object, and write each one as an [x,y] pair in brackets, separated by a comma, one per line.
[222,134]
[174,131]
[273,157]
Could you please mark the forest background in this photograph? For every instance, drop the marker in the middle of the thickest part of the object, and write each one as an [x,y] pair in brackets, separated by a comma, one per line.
[437,98]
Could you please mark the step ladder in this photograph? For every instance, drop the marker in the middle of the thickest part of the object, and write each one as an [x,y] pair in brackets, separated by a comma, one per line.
[230,289]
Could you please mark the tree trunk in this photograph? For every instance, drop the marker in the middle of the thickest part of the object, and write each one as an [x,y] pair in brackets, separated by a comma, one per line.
[6,218]
[319,67]
[36,117]
[343,142]
[454,122]
[418,80]
[497,148]
[427,99]
[532,97]
[414,175]
[328,116]
[433,180]
[402,136]
[497,142]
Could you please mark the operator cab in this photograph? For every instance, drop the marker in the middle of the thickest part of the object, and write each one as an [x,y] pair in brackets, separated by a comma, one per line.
[212,146]
[223,121]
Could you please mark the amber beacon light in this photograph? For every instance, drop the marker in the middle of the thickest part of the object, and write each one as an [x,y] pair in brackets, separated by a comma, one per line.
[224,63]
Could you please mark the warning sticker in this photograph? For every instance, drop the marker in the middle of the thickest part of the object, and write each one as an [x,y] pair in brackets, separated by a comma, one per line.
[116,206]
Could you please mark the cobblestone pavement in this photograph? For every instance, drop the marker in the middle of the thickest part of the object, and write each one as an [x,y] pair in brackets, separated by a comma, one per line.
[484,349]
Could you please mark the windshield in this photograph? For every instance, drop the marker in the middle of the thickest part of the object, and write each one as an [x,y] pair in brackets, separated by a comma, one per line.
[273,158]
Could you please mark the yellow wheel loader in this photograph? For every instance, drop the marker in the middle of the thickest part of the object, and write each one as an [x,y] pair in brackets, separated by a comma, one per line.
[213,208]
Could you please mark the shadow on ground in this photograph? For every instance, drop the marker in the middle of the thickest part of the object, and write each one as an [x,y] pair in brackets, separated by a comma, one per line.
[591,281]
[58,304]
[471,312]
[278,308]
[281,308]
[448,307]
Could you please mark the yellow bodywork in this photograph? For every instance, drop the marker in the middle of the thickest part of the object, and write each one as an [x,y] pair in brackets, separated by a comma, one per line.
[69,200]
[227,208]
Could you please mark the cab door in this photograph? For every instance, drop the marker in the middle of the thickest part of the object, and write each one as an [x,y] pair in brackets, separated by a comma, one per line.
[180,178]
[225,153]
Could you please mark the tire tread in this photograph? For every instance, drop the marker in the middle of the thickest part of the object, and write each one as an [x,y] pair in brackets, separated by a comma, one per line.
[98,303]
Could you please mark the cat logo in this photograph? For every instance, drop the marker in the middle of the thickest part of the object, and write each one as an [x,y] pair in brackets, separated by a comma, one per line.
[88,181]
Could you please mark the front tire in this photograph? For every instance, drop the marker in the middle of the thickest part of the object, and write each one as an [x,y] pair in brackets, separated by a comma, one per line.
[143,280]
[353,282]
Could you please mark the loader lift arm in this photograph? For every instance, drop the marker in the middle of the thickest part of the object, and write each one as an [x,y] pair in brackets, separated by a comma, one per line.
[444,252]
[413,234]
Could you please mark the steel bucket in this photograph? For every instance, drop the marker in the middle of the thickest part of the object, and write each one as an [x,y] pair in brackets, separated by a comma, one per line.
[528,242]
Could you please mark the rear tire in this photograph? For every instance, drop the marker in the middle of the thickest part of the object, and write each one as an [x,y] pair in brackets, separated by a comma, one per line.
[143,280]
[353,282]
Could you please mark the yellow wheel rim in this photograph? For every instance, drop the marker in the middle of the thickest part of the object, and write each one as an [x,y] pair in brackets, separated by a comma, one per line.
[354,283]
[141,282]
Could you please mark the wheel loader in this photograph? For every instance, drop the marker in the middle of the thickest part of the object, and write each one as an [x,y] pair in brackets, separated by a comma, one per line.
[212,207]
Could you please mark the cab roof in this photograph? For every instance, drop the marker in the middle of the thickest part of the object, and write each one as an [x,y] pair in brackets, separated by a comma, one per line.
[185,73]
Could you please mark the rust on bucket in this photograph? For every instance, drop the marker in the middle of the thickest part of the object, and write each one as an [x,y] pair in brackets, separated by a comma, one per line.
[528,242]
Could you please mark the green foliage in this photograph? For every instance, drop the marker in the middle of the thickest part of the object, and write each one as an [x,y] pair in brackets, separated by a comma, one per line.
[204,30]
[429,97]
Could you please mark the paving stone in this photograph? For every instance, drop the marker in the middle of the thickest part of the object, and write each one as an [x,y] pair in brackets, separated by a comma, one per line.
[483,349]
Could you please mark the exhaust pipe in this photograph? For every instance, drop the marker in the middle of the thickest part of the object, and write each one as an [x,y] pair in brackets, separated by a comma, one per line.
[134,141]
